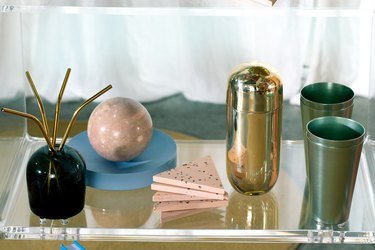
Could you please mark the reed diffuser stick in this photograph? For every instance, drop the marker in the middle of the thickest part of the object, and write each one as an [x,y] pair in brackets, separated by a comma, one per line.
[40,103]
[67,131]
[57,108]
[40,125]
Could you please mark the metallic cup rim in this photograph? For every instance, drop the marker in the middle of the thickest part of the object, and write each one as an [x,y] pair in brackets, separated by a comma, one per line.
[323,130]
[343,94]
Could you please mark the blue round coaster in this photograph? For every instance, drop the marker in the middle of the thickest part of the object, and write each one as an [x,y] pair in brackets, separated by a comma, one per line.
[159,156]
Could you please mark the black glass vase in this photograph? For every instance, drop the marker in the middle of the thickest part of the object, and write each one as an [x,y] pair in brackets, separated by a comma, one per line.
[56,183]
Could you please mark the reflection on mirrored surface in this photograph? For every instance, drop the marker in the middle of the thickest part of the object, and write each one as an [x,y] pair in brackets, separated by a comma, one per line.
[252,212]
[212,218]
[307,219]
[119,209]
[78,220]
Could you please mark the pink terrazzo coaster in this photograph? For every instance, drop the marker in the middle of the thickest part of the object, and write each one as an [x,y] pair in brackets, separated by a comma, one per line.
[199,175]
[184,205]
[187,191]
[166,196]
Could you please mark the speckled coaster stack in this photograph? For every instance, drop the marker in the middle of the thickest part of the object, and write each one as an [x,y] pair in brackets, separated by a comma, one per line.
[188,189]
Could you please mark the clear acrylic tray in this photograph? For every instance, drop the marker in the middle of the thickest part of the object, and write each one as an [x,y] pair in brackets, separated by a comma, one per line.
[278,216]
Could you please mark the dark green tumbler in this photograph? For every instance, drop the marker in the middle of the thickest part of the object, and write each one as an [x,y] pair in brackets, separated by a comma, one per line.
[334,146]
[324,99]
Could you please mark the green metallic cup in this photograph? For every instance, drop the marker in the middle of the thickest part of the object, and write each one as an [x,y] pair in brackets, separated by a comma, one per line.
[334,146]
[325,99]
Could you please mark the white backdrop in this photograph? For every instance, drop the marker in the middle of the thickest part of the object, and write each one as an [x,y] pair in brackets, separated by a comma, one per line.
[148,57]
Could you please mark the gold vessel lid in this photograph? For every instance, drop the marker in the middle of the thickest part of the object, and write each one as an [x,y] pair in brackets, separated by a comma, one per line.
[254,87]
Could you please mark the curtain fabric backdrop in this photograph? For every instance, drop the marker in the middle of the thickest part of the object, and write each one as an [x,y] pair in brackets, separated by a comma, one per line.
[148,57]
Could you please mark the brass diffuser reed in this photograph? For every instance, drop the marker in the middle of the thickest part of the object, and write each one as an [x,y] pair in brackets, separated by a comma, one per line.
[43,125]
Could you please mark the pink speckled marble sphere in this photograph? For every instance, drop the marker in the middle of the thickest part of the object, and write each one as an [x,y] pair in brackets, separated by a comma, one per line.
[119,129]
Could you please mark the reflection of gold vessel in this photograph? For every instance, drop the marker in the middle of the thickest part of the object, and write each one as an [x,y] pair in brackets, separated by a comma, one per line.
[254,107]
[252,212]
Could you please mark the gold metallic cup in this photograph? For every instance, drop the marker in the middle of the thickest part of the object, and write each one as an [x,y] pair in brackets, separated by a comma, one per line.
[325,99]
[254,109]
[334,145]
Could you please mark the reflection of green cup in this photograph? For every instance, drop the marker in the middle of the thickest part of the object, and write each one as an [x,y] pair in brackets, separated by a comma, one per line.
[325,99]
[334,147]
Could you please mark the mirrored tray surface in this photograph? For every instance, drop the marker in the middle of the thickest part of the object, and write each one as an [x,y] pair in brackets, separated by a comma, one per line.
[279,216]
